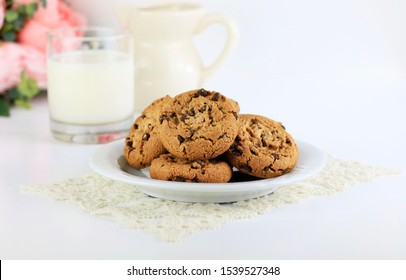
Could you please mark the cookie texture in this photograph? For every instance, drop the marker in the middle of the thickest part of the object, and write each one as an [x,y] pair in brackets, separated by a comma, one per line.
[143,144]
[198,124]
[168,167]
[262,148]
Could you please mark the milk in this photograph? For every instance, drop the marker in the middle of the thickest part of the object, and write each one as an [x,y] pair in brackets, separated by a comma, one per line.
[90,87]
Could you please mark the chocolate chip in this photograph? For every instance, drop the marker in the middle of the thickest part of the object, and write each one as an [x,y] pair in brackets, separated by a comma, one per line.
[235,115]
[191,133]
[191,112]
[149,126]
[237,138]
[135,126]
[146,136]
[284,171]
[129,143]
[246,168]
[203,92]
[263,142]
[181,139]
[183,117]
[269,168]
[211,117]
[236,152]
[179,179]
[254,152]
[174,118]
[143,116]
[216,96]
[275,156]
[203,109]
[195,180]
[162,118]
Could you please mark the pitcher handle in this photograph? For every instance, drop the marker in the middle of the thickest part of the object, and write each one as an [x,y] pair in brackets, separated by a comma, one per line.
[232,36]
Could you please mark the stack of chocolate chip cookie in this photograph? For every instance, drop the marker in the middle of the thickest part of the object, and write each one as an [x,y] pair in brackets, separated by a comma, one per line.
[198,136]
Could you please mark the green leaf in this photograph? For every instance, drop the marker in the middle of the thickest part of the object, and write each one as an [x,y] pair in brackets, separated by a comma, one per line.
[11,16]
[21,9]
[19,23]
[13,94]
[44,3]
[9,36]
[7,27]
[30,9]
[28,87]
[23,103]
[4,107]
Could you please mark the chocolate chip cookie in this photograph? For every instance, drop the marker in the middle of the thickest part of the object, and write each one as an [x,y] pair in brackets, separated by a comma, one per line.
[262,147]
[168,167]
[143,144]
[198,124]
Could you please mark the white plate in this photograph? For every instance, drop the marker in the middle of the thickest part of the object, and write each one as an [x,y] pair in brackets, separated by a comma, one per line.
[108,160]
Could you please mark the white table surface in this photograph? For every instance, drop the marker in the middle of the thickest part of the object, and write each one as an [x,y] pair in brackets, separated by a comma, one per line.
[354,120]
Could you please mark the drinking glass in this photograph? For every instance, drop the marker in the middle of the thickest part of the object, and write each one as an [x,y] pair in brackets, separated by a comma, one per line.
[90,84]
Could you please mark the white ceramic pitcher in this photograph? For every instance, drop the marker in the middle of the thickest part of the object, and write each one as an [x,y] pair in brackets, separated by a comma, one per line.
[166,61]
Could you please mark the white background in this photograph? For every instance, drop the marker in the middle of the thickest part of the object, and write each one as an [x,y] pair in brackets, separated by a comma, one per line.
[313,39]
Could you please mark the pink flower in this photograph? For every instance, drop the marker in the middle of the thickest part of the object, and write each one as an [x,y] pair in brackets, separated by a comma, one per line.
[2,8]
[29,53]
[15,58]
[57,14]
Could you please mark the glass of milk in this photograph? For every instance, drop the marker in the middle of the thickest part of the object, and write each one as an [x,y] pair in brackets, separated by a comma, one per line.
[90,84]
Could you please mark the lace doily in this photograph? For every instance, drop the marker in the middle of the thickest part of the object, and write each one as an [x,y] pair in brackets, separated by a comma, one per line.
[171,221]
